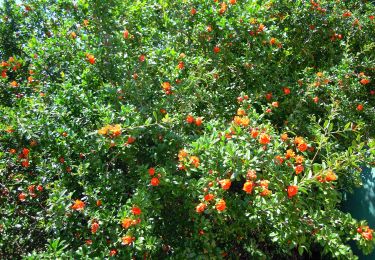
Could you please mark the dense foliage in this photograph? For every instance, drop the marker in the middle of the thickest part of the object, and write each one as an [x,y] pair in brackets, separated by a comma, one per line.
[184,129]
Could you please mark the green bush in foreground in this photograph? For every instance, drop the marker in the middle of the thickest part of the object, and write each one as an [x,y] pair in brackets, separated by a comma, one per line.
[184,129]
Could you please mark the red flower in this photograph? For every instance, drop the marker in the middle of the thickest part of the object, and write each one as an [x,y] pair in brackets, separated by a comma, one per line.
[269,96]
[126,34]
[113,252]
[360,107]
[216,49]
[142,58]
[25,163]
[292,191]
[225,184]
[181,65]
[286,91]
[25,151]
[131,140]
[151,171]
[155,181]
[193,11]
[136,211]
[200,208]
[221,205]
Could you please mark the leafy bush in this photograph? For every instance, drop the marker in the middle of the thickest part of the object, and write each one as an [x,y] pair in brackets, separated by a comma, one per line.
[184,129]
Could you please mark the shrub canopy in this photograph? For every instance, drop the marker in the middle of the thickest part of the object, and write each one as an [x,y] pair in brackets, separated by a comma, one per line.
[184,129]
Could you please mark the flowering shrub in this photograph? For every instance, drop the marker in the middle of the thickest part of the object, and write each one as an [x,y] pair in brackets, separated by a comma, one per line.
[184,129]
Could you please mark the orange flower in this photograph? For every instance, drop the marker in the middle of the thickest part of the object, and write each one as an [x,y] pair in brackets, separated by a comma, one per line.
[225,184]
[4,73]
[14,84]
[232,2]
[265,193]
[127,240]
[223,8]
[78,205]
[216,49]
[237,120]
[198,121]
[290,154]
[90,58]
[251,175]
[360,107]
[200,208]
[98,203]
[367,234]
[181,65]
[299,168]
[264,183]
[221,205]
[254,133]
[190,119]
[166,86]
[241,112]
[22,196]
[248,186]
[194,161]
[193,11]
[131,140]
[284,137]
[364,81]
[331,176]
[136,211]
[299,159]
[264,138]
[182,154]
[292,191]
[209,197]
[126,222]
[273,41]
[94,227]
[155,181]
[275,104]
[279,159]
[298,140]
[302,147]
[245,121]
